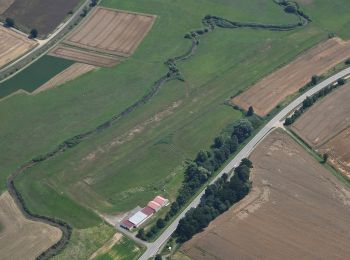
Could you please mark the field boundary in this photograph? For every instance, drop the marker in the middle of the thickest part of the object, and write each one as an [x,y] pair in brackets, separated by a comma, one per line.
[210,23]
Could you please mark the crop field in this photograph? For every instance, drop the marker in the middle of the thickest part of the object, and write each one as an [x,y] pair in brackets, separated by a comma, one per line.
[33,77]
[13,45]
[325,127]
[44,16]
[22,238]
[72,72]
[267,93]
[111,31]
[143,153]
[296,210]
[83,56]
[4,5]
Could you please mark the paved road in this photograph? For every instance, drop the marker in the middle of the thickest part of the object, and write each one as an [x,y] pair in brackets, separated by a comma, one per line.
[43,43]
[152,248]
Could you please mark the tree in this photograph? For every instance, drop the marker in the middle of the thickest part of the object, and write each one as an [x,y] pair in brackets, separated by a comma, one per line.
[158,257]
[250,111]
[247,162]
[93,3]
[314,80]
[9,22]
[33,33]
[347,62]
[341,81]
[141,234]
[325,157]
[160,223]
[218,141]
[290,9]
[202,156]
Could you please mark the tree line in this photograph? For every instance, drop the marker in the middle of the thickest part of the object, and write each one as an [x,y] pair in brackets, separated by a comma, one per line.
[218,198]
[201,169]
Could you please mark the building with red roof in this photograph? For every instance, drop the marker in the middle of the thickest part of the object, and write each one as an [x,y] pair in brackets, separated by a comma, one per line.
[161,201]
[154,205]
[148,211]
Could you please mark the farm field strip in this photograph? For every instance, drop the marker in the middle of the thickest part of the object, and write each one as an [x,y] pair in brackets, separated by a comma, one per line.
[13,45]
[22,238]
[72,72]
[267,93]
[275,220]
[5,4]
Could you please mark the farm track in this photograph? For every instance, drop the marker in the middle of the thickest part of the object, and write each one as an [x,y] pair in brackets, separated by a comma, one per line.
[209,23]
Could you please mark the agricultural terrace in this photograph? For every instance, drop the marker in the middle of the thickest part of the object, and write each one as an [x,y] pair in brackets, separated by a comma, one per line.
[140,156]
[44,16]
[325,127]
[21,238]
[267,93]
[13,45]
[296,209]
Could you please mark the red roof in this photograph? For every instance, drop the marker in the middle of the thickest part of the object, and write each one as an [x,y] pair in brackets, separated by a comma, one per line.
[148,210]
[127,223]
[160,200]
[154,205]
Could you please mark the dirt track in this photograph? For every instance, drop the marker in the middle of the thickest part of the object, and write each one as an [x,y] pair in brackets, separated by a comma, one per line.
[297,210]
[74,71]
[22,238]
[13,45]
[267,93]
[111,31]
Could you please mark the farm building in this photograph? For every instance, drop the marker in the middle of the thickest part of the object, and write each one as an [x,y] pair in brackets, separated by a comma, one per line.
[138,216]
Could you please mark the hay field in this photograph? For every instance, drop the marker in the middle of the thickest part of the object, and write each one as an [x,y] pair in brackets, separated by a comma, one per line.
[84,56]
[13,45]
[72,72]
[325,127]
[5,4]
[20,237]
[267,93]
[111,31]
[296,210]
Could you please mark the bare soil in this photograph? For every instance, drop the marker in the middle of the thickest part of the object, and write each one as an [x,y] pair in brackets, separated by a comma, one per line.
[296,210]
[13,45]
[44,16]
[5,4]
[326,128]
[84,56]
[22,238]
[267,93]
[111,31]
[72,72]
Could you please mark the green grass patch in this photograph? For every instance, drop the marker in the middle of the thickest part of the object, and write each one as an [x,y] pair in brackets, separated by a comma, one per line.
[35,75]
[124,249]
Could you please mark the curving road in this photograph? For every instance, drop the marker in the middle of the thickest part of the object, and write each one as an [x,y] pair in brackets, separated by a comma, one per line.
[153,248]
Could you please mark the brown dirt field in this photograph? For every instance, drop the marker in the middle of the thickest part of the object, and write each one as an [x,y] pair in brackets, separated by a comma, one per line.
[267,93]
[13,45]
[5,4]
[325,119]
[22,238]
[72,72]
[296,210]
[84,56]
[45,16]
[111,31]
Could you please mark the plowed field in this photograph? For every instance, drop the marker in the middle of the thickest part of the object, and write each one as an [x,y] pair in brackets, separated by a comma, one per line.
[5,4]
[13,45]
[111,31]
[325,127]
[20,237]
[296,210]
[267,93]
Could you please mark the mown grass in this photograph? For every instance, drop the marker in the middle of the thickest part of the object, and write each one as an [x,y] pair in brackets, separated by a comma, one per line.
[35,75]
[125,249]
[111,177]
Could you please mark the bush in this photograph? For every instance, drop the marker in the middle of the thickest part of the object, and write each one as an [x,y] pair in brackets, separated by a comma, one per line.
[9,22]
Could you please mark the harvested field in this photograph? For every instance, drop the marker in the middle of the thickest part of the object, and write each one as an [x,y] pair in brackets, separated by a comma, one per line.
[111,31]
[13,45]
[22,238]
[72,72]
[84,56]
[267,93]
[325,127]
[296,210]
[5,4]
[45,16]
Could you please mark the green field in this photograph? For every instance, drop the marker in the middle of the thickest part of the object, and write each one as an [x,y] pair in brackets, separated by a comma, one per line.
[124,249]
[35,75]
[142,154]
